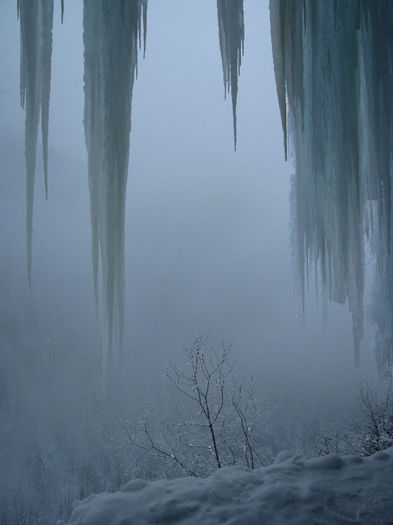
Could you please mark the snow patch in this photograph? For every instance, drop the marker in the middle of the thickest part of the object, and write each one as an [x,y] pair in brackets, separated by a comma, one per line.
[324,490]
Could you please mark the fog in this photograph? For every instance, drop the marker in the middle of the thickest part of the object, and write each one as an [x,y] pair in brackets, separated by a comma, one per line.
[206,232]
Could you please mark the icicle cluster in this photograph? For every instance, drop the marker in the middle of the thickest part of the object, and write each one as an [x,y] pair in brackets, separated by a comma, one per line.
[36,21]
[231,34]
[333,68]
[112,33]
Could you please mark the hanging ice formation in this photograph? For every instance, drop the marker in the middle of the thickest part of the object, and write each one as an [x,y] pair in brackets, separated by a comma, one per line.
[112,34]
[231,34]
[36,20]
[334,73]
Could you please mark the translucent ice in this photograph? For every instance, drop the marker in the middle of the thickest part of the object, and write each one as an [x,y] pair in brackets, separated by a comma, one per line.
[231,34]
[333,68]
[111,38]
[36,20]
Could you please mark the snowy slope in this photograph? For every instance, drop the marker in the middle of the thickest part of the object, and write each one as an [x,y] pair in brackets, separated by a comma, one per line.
[326,490]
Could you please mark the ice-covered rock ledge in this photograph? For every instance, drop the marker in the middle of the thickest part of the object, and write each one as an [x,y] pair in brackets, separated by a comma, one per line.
[327,490]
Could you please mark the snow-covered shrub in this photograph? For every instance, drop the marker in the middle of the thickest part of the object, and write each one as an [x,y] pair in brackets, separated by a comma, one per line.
[377,408]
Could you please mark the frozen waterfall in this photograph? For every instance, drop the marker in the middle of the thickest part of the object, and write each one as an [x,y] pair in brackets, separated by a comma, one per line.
[231,34]
[333,69]
[377,145]
[333,66]
[112,35]
[36,20]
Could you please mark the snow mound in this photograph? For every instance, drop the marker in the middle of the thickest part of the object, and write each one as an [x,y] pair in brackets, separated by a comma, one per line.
[326,490]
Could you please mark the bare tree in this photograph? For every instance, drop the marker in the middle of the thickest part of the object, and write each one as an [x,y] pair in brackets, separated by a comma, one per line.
[378,412]
[204,384]
[213,428]
[367,430]
[243,402]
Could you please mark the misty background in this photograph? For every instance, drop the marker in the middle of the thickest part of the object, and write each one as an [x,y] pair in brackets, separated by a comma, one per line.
[207,228]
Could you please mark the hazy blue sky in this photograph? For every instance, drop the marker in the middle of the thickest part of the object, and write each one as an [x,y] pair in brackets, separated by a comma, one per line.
[207,242]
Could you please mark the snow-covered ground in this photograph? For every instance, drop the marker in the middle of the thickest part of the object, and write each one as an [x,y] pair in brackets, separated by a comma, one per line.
[325,490]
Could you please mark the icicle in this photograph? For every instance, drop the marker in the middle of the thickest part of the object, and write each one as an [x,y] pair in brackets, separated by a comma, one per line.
[62,11]
[277,36]
[231,35]
[333,67]
[29,24]
[111,36]
[46,64]
[316,58]
[144,7]
[36,19]
[377,47]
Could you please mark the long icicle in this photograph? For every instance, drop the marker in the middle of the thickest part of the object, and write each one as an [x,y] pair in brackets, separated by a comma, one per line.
[333,74]
[36,20]
[231,36]
[111,40]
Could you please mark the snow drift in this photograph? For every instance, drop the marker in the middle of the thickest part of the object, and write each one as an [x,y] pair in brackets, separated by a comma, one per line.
[324,490]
